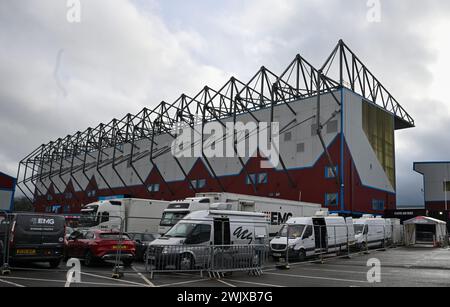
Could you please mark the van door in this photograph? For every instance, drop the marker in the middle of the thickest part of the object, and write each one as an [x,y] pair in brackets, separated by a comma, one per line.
[320,233]
[222,233]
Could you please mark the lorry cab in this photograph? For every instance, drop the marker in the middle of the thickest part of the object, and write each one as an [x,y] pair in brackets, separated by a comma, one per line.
[303,237]
[105,214]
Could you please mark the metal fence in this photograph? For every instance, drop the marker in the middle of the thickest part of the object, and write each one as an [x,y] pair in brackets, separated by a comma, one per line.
[297,244]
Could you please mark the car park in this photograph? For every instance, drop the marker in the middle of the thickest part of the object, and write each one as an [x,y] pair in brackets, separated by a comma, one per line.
[95,245]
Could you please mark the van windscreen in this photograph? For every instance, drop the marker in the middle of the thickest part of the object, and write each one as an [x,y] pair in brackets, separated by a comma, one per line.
[295,231]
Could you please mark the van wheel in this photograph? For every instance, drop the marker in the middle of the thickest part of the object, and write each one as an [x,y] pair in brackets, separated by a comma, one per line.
[186,262]
[88,259]
[127,263]
[301,255]
[54,263]
[363,246]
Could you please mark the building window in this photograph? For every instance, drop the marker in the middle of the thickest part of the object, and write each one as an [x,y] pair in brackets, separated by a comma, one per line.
[261,178]
[68,195]
[301,147]
[288,136]
[91,193]
[49,197]
[313,129]
[153,188]
[378,205]
[331,200]
[329,172]
[198,184]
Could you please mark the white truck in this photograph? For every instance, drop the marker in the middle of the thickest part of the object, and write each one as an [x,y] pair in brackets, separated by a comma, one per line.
[372,231]
[277,211]
[218,235]
[137,215]
[303,237]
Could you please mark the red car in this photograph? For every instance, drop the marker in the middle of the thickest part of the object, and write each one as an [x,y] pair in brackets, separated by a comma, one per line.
[95,245]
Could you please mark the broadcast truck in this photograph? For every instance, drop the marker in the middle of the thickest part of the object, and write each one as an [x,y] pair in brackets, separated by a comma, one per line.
[137,215]
[372,231]
[234,236]
[277,211]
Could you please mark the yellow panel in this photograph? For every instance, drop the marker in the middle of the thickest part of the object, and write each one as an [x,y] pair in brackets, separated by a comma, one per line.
[379,128]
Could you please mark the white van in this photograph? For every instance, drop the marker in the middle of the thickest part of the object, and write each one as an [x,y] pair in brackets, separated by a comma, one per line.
[309,236]
[192,241]
[372,232]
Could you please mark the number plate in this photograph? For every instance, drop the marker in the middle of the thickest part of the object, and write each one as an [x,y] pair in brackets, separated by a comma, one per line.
[276,254]
[26,252]
[119,247]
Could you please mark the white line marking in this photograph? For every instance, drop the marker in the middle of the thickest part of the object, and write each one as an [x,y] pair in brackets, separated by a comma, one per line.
[182,283]
[317,277]
[63,281]
[144,278]
[11,283]
[117,280]
[226,283]
[255,283]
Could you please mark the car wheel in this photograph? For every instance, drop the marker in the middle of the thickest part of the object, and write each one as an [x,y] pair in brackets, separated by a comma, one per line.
[301,255]
[54,263]
[186,262]
[127,263]
[88,259]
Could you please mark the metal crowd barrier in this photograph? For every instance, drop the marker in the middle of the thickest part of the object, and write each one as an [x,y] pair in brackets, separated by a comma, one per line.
[4,242]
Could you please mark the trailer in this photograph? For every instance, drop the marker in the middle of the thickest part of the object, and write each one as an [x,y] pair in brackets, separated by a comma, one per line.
[277,211]
[136,215]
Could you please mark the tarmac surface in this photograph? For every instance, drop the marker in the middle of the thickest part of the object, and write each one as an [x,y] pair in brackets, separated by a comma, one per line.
[399,267]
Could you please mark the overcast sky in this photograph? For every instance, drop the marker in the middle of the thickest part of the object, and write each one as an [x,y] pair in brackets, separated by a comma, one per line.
[58,77]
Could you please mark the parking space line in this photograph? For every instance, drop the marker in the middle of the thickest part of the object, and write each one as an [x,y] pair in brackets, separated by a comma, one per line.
[144,278]
[64,282]
[117,280]
[182,283]
[12,283]
[226,283]
[318,277]
[255,283]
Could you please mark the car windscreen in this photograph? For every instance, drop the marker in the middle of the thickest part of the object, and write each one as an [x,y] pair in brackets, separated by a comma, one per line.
[295,231]
[114,236]
[181,230]
[171,218]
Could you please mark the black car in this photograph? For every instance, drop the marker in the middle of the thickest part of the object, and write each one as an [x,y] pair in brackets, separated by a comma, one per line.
[142,240]
[34,237]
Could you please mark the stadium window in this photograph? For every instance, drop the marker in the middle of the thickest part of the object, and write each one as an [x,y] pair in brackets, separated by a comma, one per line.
[331,200]
[301,147]
[49,197]
[378,205]
[68,195]
[201,183]
[251,179]
[198,184]
[329,172]
[262,178]
[152,188]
